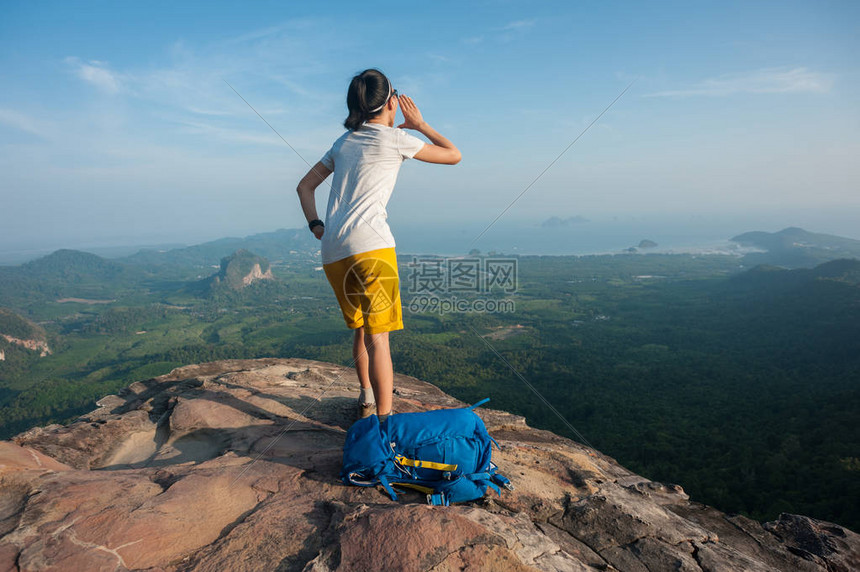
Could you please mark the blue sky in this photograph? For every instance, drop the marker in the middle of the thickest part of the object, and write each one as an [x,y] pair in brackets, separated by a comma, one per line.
[117,126]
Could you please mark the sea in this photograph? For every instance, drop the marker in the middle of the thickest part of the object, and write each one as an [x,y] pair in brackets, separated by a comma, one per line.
[582,238]
[673,233]
[573,235]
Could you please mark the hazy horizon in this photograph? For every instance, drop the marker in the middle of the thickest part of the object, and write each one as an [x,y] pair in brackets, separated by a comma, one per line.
[596,236]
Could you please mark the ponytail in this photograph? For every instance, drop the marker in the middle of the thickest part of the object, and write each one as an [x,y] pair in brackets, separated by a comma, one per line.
[368,92]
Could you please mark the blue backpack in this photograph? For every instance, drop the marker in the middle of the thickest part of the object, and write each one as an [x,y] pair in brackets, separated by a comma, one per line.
[445,453]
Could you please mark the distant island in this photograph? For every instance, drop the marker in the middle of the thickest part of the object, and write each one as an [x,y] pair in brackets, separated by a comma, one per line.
[558,222]
[644,243]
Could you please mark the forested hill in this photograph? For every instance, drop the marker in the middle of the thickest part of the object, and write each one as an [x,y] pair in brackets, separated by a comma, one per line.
[797,248]
[65,274]
[844,270]
[72,266]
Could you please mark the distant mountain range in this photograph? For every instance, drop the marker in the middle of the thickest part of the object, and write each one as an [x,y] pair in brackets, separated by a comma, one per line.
[74,274]
[277,246]
[796,248]
[791,247]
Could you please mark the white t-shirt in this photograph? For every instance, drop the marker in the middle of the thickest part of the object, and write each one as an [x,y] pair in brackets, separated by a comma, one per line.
[365,164]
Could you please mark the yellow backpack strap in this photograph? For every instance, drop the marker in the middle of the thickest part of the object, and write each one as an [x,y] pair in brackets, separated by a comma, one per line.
[424,464]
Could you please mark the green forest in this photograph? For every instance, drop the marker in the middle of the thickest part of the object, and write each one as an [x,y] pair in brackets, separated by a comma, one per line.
[739,383]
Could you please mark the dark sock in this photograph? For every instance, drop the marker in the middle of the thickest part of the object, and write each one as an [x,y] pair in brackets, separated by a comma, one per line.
[382,418]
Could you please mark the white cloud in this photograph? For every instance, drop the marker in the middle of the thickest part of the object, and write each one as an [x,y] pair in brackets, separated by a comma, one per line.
[769,80]
[228,135]
[212,112]
[23,122]
[504,33]
[281,29]
[517,25]
[280,58]
[96,73]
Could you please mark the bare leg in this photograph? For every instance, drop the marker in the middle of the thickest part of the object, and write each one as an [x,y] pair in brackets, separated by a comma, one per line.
[359,354]
[381,370]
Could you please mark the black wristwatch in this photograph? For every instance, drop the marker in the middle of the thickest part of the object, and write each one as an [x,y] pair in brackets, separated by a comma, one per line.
[315,222]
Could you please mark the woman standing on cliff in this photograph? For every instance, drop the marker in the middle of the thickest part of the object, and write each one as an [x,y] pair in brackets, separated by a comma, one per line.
[358,249]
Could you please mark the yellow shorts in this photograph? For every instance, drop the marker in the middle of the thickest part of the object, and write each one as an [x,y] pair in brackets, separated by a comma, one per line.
[367,287]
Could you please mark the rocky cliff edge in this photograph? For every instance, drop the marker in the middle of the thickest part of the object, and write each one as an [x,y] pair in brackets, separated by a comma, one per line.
[232,465]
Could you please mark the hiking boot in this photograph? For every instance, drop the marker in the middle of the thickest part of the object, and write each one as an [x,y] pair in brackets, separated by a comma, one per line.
[366,410]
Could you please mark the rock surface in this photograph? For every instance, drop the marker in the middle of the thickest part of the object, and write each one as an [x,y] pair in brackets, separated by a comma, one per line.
[33,345]
[233,465]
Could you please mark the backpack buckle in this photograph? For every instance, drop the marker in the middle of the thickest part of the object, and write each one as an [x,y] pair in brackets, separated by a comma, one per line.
[438,499]
[502,480]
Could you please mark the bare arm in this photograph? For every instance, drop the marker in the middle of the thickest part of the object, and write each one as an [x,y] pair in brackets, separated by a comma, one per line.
[306,189]
[441,151]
